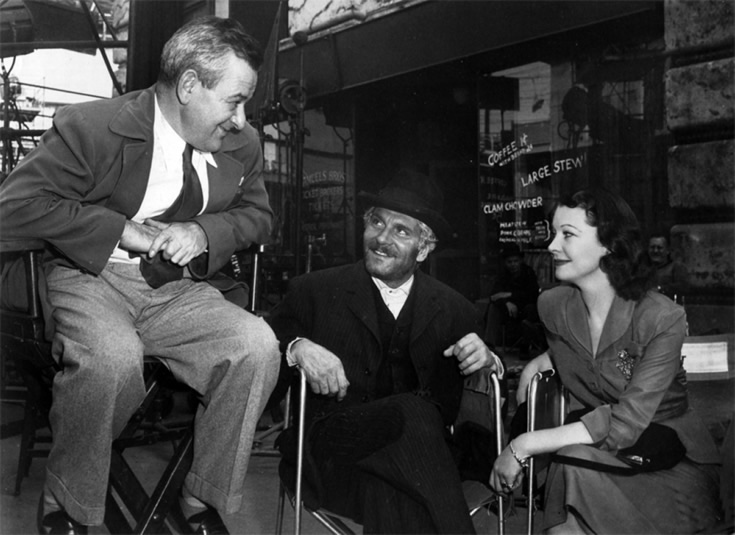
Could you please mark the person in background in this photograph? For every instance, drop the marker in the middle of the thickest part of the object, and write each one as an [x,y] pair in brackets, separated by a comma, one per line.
[672,277]
[143,199]
[385,349]
[616,346]
[512,306]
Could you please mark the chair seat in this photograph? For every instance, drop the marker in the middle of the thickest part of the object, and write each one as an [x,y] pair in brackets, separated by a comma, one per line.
[26,349]
[482,399]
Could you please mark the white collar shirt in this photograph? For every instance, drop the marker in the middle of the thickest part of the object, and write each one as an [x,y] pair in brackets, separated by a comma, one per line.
[166,176]
[394,298]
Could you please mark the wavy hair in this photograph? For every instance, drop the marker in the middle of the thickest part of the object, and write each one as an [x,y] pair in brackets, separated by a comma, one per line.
[202,45]
[619,232]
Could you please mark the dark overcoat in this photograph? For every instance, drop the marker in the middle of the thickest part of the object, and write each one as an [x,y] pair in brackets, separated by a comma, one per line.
[336,308]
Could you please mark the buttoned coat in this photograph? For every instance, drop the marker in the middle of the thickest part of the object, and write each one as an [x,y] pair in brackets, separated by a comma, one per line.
[89,175]
[336,308]
[635,378]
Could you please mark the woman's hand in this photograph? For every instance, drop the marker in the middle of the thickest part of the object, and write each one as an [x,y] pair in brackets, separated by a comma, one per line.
[507,471]
[507,474]
[539,364]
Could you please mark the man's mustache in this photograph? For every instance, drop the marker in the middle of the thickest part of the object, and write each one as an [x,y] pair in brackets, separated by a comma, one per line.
[383,249]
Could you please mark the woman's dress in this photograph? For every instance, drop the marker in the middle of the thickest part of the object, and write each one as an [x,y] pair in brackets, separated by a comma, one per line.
[635,378]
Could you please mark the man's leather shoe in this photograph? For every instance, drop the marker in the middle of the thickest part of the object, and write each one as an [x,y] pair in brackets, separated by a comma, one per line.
[58,523]
[207,522]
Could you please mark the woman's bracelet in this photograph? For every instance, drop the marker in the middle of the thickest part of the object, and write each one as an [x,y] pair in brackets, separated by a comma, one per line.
[523,462]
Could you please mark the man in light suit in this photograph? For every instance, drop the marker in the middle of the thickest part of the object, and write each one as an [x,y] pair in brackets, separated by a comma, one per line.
[142,200]
[385,349]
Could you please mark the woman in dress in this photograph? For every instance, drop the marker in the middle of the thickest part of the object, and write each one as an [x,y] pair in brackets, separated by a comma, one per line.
[616,346]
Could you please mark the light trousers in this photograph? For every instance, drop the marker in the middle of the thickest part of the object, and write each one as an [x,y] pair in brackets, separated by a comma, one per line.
[103,326]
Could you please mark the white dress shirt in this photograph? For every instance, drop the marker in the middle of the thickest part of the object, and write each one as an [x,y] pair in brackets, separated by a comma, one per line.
[166,177]
[394,298]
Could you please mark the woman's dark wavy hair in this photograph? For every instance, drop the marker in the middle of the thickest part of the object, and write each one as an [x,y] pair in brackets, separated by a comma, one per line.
[618,230]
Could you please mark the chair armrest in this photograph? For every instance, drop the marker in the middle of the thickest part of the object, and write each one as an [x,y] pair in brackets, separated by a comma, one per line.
[480,381]
[547,401]
[14,246]
[21,266]
[482,401]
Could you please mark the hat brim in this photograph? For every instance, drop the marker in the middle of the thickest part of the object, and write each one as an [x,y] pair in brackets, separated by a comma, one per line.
[432,218]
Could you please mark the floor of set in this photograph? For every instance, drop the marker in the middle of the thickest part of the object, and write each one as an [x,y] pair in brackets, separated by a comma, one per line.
[258,514]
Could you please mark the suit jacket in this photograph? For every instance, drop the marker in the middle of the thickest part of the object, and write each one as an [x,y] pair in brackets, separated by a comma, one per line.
[90,172]
[635,378]
[336,309]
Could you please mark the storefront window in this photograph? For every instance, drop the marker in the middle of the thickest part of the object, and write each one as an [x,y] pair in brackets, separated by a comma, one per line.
[518,112]
[548,129]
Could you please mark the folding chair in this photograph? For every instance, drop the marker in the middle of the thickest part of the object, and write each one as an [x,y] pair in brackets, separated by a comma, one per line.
[145,428]
[25,351]
[25,347]
[547,405]
[255,252]
[333,523]
[482,404]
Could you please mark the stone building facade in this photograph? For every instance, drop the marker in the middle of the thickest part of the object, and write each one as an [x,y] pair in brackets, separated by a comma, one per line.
[699,116]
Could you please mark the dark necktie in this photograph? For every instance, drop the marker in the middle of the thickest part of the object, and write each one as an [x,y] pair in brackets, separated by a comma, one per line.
[157,271]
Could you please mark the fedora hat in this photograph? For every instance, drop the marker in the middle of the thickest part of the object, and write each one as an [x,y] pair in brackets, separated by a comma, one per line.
[414,194]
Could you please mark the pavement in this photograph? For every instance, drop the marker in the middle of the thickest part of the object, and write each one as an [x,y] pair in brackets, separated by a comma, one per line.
[714,400]
[257,517]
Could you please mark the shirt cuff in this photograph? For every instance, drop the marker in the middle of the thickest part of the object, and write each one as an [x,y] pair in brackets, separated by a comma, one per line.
[290,359]
[499,368]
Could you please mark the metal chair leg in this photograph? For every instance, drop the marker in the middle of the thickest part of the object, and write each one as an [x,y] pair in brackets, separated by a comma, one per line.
[560,395]
[498,445]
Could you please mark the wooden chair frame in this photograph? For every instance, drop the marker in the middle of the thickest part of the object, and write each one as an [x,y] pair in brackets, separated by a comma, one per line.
[23,332]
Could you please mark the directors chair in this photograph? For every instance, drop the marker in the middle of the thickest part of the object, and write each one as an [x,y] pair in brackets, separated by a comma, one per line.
[547,406]
[482,390]
[27,351]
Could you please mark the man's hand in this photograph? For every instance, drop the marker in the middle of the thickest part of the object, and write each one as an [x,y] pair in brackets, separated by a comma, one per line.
[473,354]
[500,295]
[178,242]
[324,371]
[136,237]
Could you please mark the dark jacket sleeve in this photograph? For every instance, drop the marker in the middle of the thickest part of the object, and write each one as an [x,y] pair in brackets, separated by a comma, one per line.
[248,217]
[48,194]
